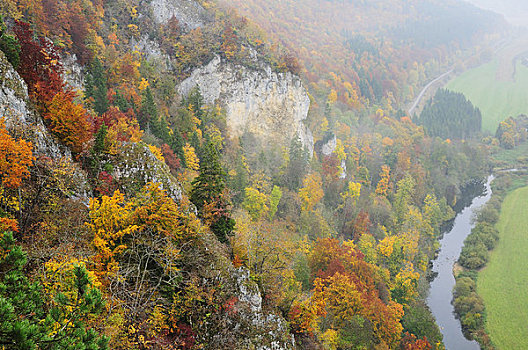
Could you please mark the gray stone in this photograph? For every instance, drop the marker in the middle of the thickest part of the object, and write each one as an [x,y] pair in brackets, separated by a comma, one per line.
[272,106]
[136,166]
[189,13]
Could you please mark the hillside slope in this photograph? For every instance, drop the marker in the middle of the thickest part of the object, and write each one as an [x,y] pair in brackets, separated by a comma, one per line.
[371,51]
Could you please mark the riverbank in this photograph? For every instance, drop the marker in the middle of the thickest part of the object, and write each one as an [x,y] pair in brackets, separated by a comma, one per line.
[472,307]
[502,285]
[440,295]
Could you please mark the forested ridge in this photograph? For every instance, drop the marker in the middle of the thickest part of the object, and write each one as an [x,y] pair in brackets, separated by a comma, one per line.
[156,229]
[372,52]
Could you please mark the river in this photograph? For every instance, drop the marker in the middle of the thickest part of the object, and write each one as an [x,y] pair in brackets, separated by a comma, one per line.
[441,289]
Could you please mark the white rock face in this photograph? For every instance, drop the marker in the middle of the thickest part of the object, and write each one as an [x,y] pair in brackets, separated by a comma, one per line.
[137,165]
[22,120]
[73,74]
[189,13]
[271,329]
[329,147]
[270,105]
[152,51]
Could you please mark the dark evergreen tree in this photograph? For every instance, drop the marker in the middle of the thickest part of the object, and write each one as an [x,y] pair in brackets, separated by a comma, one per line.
[158,125]
[122,103]
[297,166]
[98,148]
[209,187]
[27,323]
[211,181]
[148,112]
[195,101]
[96,87]
[100,136]
[450,115]
[176,144]
[240,181]
[195,142]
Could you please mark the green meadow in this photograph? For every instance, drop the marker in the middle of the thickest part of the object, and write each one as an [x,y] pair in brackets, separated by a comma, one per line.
[497,99]
[503,284]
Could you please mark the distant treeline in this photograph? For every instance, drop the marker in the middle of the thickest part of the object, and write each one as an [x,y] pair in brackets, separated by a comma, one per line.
[443,25]
[450,115]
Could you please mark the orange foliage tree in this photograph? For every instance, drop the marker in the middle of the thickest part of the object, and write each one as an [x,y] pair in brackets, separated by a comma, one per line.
[69,121]
[15,159]
[348,290]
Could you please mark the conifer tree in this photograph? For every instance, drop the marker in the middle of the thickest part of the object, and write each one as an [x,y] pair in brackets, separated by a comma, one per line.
[121,102]
[196,102]
[27,323]
[297,166]
[148,111]
[96,87]
[9,45]
[176,144]
[209,188]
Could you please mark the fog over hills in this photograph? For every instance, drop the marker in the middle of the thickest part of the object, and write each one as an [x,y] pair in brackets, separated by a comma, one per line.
[515,11]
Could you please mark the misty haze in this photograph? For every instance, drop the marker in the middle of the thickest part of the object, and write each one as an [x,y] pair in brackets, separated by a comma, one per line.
[263,174]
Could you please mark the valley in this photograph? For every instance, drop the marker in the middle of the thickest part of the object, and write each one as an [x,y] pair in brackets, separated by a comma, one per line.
[498,87]
[210,174]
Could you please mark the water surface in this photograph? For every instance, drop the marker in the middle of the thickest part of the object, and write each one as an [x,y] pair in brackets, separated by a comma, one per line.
[441,290]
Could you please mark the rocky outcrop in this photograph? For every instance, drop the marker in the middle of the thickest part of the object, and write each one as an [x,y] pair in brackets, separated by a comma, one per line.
[23,121]
[270,330]
[136,166]
[20,118]
[329,147]
[272,106]
[73,72]
[189,13]
[152,52]
[325,149]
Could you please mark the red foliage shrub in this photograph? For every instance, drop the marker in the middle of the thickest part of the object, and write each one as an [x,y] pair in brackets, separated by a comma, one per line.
[171,159]
[39,64]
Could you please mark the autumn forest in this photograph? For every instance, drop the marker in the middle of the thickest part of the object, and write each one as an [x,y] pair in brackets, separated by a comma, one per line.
[136,214]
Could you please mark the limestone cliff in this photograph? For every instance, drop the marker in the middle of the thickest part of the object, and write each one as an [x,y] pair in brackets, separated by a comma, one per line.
[189,13]
[270,105]
[136,165]
[23,121]
[269,330]
[19,115]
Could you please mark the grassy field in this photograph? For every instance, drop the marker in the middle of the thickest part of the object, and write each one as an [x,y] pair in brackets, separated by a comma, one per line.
[497,99]
[503,283]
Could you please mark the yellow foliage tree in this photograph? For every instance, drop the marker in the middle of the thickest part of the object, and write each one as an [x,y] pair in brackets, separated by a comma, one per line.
[157,153]
[255,203]
[332,97]
[386,246]
[110,222]
[384,182]
[192,161]
[406,285]
[352,193]
[124,130]
[115,222]
[312,191]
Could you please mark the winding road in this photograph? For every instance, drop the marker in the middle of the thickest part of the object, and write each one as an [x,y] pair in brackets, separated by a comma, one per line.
[424,90]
